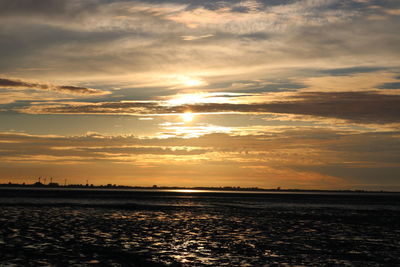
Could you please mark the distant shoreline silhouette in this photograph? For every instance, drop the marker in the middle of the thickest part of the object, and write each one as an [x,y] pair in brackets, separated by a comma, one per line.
[155,187]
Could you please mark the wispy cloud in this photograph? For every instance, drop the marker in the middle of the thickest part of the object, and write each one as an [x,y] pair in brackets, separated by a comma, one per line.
[107,40]
[193,38]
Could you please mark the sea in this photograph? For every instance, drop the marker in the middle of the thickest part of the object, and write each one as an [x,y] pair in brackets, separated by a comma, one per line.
[126,227]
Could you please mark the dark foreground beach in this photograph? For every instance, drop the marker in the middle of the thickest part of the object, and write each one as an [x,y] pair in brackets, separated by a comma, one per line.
[155,228]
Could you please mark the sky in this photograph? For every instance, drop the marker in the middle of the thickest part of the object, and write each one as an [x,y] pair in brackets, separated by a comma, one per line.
[272,93]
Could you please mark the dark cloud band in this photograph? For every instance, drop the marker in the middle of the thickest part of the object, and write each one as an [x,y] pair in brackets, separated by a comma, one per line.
[361,107]
[69,89]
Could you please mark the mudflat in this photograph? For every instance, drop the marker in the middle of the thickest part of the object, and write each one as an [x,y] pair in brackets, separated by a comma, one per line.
[168,229]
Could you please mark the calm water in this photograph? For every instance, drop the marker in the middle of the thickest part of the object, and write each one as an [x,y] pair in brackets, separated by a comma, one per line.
[174,228]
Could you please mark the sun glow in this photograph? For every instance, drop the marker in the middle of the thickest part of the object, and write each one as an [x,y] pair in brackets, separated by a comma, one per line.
[185,99]
[200,98]
[190,81]
[187,116]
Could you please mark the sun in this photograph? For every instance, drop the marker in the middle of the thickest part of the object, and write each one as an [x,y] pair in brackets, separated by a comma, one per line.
[187,116]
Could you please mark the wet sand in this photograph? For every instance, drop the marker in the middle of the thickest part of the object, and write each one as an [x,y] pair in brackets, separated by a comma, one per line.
[68,234]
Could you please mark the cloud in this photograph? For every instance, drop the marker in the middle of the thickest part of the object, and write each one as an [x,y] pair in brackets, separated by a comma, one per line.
[394,12]
[88,148]
[29,7]
[362,80]
[395,85]
[123,41]
[361,107]
[193,38]
[351,70]
[313,157]
[66,89]
[318,59]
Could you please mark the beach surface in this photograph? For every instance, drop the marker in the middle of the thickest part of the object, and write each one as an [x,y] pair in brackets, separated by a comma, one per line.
[42,227]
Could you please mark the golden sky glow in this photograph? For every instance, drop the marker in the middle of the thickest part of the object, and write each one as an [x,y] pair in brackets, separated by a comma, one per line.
[300,94]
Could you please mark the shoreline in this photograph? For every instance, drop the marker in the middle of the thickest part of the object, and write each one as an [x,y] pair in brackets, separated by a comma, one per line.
[179,189]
